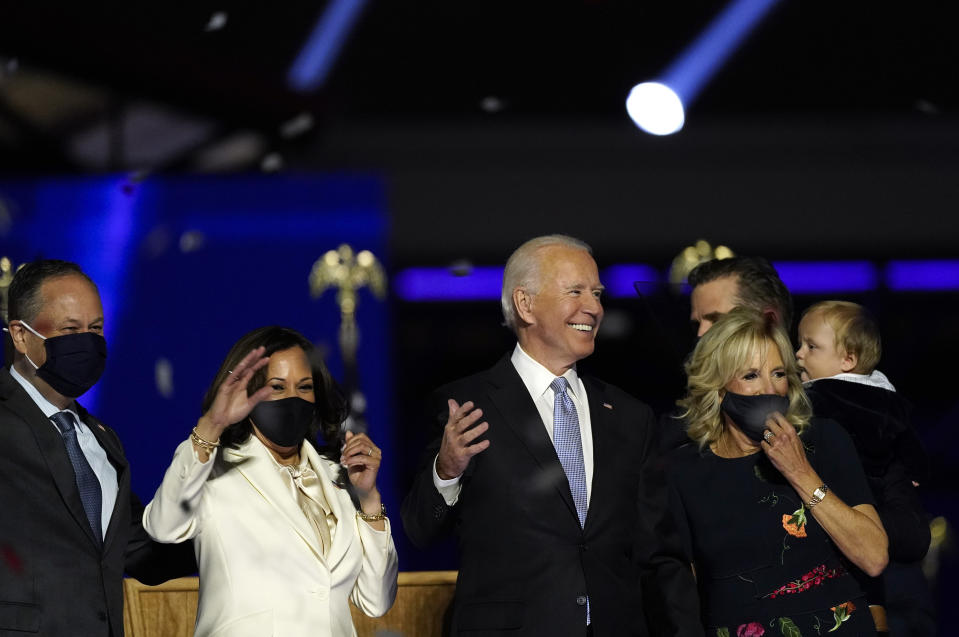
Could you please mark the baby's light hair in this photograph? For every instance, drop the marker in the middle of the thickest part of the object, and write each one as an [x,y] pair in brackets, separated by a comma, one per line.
[856,331]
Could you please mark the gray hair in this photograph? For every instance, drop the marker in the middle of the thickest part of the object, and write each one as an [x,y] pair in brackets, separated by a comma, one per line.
[522,270]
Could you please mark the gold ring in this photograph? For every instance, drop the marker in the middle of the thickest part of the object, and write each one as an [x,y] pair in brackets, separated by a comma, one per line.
[370,452]
[768,435]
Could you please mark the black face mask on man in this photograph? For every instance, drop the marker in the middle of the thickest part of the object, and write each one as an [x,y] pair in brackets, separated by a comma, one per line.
[284,422]
[74,362]
[751,412]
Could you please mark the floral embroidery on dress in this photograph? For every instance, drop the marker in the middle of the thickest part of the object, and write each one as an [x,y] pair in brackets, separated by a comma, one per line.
[841,613]
[752,629]
[788,627]
[814,577]
[795,524]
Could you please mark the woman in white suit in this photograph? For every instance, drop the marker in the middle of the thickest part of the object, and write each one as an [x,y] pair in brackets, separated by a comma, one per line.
[286,530]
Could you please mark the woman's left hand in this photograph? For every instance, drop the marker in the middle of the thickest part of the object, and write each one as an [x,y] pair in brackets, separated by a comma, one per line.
[785,450]
[362,461]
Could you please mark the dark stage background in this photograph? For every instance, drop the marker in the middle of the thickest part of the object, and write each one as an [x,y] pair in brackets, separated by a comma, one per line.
[168,149]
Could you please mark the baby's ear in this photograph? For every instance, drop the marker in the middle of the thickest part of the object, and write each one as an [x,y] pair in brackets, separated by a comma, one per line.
[848,362]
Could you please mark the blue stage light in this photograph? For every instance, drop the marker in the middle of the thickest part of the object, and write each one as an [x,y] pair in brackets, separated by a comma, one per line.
[312,66]
[439,284]
[827,277]
[686,76]
[621,280]
[922,276]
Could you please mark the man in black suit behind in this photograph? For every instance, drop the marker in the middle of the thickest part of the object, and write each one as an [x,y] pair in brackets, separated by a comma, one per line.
[70,524]
[551,546]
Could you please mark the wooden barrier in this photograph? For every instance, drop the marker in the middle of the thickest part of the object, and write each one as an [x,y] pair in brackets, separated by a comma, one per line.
[169,610]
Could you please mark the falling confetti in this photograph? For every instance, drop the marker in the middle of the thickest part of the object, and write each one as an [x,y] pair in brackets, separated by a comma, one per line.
[271,163]
[191,241]
[492,104]
[163,375]
[296,126]
[217,21]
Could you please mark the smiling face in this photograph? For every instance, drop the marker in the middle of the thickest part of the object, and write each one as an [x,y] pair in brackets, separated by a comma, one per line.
[561,318]
[818,355]
[765,374]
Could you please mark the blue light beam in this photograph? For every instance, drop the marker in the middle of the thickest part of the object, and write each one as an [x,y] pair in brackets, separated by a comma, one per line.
[312,66]
[650,104]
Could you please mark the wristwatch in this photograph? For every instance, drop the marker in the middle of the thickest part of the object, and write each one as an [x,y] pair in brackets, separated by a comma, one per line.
[818,495]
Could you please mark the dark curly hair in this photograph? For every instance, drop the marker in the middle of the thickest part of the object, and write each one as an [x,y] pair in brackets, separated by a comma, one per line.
[331,407]
[758,283]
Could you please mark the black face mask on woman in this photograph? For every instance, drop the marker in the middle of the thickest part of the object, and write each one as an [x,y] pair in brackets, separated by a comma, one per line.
[751,412]
[284,422]
[74,362]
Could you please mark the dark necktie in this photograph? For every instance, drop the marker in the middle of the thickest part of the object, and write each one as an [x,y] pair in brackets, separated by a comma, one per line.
[87,482]
[569,445]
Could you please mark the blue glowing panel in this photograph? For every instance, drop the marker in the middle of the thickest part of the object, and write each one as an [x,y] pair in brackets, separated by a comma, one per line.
[315,60]
[621,280]
[482,283]
[187,265]
[89,221]
[910,276]
[825,277]
[701,60]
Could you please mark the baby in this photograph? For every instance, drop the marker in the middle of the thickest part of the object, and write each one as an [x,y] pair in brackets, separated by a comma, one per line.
[839,349]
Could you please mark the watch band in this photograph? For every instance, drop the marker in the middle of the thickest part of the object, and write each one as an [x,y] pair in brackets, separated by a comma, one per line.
[818,495]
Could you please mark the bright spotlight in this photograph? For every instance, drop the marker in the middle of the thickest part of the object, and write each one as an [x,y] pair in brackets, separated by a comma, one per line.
[655,108]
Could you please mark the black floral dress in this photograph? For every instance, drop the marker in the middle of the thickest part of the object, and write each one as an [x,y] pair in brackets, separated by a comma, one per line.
[763,564]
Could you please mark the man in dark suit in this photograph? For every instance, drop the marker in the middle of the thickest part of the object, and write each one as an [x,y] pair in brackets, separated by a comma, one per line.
[70,524]
[549,478]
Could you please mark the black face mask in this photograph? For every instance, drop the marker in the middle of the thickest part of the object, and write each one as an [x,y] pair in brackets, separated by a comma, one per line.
[284,422]
[751,412]
[74,362]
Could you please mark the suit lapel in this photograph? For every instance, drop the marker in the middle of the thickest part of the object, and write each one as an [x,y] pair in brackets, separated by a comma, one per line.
[334,500]
[251,459]
[51,447]
[602,418]
[512,400]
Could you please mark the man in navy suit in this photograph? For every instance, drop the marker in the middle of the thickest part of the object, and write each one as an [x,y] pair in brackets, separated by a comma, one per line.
[549,479]
[70,524]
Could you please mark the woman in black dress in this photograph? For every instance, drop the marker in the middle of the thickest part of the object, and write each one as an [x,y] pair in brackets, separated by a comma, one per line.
[772,504]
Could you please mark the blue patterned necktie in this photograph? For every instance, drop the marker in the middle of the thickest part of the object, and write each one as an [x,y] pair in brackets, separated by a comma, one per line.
[87,482]
[569,445]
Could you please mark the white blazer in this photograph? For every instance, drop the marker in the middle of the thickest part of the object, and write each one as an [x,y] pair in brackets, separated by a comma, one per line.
[261,568]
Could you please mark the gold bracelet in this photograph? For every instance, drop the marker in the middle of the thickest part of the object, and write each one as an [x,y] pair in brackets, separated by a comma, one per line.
[376,517]
[206,445]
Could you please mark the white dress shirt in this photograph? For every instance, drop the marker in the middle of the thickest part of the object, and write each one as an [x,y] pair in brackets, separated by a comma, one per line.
[538,380]
[94,453]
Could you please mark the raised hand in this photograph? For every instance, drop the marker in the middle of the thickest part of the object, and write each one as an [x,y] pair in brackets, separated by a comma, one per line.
[457,449]
[231,403]
[362,461]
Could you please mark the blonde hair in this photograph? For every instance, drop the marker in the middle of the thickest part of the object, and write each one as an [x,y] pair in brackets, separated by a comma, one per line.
[522,270]
[856,331]
[720,355]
